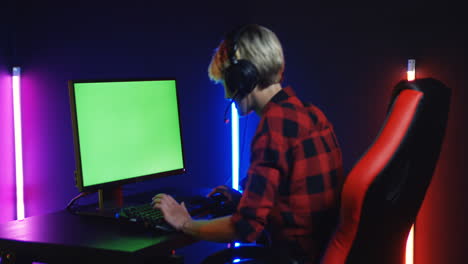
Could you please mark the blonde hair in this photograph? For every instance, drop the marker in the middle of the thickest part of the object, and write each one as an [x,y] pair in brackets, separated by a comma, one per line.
[257,44]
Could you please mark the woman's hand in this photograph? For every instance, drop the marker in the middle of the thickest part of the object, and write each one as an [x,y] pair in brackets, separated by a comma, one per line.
[174,213]
[232,196]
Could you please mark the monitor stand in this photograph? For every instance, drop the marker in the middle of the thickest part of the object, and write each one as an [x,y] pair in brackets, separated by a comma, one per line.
[110,202]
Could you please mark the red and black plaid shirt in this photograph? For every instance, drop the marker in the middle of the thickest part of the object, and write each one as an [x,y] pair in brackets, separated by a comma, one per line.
[294,179]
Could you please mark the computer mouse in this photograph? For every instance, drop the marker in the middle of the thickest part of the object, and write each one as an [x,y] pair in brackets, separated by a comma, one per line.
[219,197]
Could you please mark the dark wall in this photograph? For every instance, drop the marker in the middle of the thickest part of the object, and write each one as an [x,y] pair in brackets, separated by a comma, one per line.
[441,229]
[344,59]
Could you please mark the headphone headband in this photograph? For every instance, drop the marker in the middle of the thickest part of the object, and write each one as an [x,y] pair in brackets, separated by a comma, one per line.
[233,41]
[241,76]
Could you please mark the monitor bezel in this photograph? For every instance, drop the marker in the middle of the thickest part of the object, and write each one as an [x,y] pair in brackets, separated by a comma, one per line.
[109,185]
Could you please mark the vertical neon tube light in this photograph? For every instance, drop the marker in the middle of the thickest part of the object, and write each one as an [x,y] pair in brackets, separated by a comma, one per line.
[411,73]
[409,258]
[18,142]
[235,146]
[235,153]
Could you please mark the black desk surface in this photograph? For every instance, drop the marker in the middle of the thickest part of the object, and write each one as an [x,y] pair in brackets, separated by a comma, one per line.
[63,237]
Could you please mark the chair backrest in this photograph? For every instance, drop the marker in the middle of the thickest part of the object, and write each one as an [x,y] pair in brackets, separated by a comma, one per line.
[385,189]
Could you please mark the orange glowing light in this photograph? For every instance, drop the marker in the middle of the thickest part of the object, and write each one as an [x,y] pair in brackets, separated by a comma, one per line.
[411,75]
[409,258]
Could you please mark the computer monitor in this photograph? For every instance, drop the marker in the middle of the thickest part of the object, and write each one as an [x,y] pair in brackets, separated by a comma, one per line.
[125,131]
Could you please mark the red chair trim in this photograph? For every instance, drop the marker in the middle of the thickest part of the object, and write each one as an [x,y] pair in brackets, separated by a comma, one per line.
[366,170]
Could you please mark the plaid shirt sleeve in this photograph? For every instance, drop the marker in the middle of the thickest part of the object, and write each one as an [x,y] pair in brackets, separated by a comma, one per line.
[268,162]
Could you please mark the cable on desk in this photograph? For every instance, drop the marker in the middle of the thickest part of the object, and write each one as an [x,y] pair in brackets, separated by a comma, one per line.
[72,202]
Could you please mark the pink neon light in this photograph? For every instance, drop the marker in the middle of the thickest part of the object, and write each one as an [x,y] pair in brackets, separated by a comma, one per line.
[18,143]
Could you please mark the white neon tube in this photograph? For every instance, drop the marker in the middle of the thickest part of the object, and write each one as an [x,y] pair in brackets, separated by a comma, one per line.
[411,72]
[409,257]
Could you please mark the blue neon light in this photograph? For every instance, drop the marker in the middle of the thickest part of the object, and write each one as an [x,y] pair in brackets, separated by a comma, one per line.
[235,146]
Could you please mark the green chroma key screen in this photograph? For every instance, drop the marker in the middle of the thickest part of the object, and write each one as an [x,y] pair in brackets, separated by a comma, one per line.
[127,129]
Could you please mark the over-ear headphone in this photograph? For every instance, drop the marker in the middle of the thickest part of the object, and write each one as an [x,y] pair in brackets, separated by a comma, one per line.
[241,76]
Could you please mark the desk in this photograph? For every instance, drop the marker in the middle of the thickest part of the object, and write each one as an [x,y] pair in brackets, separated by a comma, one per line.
[62,237]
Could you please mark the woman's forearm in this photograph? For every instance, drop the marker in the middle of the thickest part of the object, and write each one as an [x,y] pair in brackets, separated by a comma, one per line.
[216,230]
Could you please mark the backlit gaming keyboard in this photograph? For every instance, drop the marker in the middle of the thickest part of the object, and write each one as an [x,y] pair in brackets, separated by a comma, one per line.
[145,214]
[199,207]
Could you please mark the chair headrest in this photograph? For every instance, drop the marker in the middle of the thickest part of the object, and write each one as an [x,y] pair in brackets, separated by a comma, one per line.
[433,90]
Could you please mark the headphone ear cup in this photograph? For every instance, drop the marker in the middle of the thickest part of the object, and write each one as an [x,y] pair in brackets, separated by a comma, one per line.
[241,77]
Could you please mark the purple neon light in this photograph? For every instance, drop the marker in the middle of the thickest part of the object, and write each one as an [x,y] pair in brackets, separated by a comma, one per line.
[18,142]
